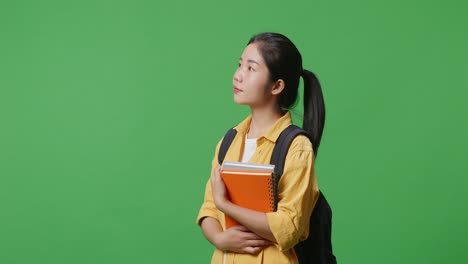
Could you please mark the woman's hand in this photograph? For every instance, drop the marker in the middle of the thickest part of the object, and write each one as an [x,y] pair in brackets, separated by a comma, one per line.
[241,240]
[218,189]
[252,220]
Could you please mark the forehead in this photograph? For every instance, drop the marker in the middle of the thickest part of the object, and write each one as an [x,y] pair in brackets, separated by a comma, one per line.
[251,52]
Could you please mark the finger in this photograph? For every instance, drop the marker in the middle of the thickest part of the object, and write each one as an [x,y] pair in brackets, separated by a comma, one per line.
[253,250]
[216,171]
[215,176]
[241,228]
[212,180]
[259,243]
[212,176]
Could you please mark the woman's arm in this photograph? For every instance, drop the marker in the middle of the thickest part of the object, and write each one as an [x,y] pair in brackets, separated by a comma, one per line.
[298,191]
[252,220]
[237,239]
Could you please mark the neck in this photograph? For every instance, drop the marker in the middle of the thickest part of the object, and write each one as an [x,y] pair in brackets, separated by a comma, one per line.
[262,120]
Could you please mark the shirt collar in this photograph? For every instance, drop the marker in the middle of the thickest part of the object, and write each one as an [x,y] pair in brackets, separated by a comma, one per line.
[273,133]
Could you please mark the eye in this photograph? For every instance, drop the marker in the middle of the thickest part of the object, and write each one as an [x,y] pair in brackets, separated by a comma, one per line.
[239,65]
[251,68]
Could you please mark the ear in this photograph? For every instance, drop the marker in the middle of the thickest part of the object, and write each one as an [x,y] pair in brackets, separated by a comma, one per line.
[278,87]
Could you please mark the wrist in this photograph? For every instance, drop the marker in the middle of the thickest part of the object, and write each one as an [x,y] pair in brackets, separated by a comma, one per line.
[222,204]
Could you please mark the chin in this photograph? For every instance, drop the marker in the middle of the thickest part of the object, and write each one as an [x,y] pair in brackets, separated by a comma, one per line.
[239,102]
[236,100]
[242,99]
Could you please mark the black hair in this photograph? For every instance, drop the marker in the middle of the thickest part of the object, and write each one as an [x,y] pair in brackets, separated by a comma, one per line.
[284,62]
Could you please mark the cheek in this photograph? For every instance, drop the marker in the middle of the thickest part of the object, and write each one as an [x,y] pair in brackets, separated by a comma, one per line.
[259,80]
[262,83]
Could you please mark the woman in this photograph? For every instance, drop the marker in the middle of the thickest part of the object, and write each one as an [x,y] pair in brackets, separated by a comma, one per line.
[267,80]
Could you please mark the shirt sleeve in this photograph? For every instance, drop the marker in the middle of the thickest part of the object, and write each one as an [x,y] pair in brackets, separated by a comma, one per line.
[208,208]
[297,195]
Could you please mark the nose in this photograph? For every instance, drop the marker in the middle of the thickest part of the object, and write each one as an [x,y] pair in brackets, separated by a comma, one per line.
[238,75]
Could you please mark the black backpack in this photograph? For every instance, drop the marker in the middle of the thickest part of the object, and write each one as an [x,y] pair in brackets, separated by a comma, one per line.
[317,248]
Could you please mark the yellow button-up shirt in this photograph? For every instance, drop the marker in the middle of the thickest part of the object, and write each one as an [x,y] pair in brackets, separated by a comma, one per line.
[297,194]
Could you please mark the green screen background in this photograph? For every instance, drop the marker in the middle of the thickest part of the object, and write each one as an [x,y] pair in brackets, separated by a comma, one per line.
[110,112]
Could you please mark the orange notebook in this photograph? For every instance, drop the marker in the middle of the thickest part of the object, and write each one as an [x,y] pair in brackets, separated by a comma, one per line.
[250,186]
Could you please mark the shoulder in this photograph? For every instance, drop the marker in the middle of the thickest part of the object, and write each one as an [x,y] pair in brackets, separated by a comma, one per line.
[301,143]
[300,153]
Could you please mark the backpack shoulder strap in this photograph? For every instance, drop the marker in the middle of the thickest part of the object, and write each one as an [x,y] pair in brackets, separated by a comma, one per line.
[225,144]
[317,248]
[282,145]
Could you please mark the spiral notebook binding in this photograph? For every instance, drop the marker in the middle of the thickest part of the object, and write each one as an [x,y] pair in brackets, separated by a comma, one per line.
[272,184]
[274,192]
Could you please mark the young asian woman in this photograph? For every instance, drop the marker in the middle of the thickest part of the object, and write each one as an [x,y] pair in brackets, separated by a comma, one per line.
[267,81]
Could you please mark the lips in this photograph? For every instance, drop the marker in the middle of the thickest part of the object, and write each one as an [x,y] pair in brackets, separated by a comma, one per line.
[237,90]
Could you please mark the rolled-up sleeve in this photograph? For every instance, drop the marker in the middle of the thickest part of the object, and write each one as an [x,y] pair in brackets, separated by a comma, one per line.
[208,208]
[297,195]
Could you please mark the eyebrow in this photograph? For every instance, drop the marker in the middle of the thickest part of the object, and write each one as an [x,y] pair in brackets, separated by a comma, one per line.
[252,61]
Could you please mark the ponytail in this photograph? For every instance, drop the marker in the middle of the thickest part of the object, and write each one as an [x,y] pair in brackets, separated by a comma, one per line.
[285,62]
[314,109]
